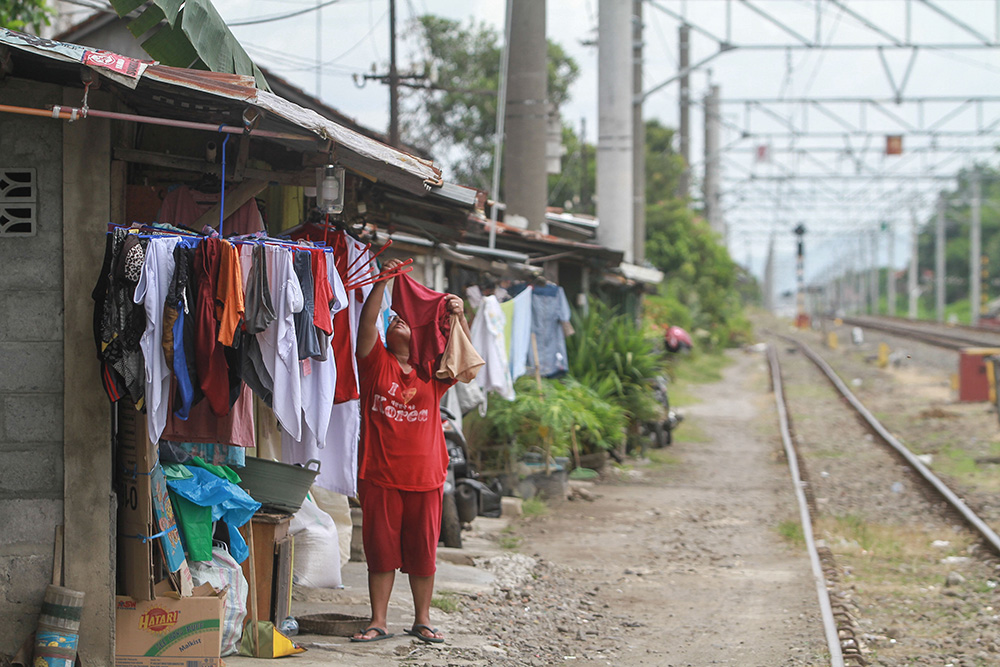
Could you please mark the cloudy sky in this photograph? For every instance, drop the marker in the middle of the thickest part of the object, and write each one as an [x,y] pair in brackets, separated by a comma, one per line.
[351,36]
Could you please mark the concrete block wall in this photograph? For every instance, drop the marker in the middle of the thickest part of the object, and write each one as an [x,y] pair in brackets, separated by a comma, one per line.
[31,368]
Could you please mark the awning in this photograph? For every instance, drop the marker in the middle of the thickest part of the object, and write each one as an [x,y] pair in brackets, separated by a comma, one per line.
[641,274]
[131,73]
[471,257]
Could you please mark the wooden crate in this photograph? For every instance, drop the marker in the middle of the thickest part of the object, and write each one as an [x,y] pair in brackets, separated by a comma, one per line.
[273,564]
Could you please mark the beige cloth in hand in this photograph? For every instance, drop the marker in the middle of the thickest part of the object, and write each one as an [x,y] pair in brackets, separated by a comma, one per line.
[460,359]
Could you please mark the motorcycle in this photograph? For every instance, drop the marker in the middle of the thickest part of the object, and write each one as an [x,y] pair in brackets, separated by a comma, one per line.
[465,495]
[661,431]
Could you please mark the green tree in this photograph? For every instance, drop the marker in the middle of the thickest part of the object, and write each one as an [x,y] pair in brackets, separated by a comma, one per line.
[454,117]
[20,14]
[576,181]
[703,285]
[704,289]
[958,222]
[663,166]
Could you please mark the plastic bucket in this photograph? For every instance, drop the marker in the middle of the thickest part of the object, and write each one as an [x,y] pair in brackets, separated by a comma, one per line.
[278,485]
[58,627]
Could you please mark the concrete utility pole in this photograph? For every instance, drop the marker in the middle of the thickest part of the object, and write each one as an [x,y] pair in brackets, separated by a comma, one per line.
[525,178]
[975,252]
[769,277]
[500,132]
[873,280]
[684,182]
[319,50]
[713,158]
[639,142]
[890,272]
[939,267]
[614,127]
[584,195]
[393,79]
[911,277]
[862,278]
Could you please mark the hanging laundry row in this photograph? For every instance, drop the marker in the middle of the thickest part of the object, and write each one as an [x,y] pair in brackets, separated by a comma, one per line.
[502,333]
[189,327]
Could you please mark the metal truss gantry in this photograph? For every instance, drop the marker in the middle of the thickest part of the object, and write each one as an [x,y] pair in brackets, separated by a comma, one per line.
[824,155]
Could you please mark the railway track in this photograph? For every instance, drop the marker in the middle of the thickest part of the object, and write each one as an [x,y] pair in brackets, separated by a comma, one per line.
[952,337]
[837,606]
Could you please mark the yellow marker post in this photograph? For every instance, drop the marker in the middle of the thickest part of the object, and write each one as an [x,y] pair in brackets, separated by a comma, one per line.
[991,379]
[883,355]
[831,340]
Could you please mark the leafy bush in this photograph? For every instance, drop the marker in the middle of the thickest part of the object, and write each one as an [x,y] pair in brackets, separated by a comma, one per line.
[549,420]
[611,355]
[705,290]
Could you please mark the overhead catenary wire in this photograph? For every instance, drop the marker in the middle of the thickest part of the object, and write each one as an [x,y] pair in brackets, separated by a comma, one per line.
[280,17]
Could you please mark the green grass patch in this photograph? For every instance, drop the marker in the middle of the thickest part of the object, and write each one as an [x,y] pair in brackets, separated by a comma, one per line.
[694,369]
[533,507]
[680,396]
[811,390]
[445,601]
[955,461]
[868,536]
[662,457]
[827,453]
[509,542]
[701,367]
[900,547]
[791,531]
[690,431]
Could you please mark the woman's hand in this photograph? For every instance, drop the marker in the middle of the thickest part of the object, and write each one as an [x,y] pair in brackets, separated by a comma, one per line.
[455,305]
[391,265]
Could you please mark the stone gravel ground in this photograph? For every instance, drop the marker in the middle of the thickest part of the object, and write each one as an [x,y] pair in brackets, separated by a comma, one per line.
[925,590]
[690,558]
[677,560]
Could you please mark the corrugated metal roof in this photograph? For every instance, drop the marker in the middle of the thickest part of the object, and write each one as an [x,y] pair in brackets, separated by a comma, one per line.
[547,243]
[129,72]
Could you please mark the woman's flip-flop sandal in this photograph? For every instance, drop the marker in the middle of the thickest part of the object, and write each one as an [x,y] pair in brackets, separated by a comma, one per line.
[415,631]
[380,634]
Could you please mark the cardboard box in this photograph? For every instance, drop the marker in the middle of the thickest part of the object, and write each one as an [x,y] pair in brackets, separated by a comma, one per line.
[170,631]
[145,511]
[136,457]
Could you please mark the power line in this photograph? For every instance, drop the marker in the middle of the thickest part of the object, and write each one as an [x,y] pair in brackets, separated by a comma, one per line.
[280,17]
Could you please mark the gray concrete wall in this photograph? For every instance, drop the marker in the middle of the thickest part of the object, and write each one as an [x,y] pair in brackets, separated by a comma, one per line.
[90,502]
[31,369]
[55,452]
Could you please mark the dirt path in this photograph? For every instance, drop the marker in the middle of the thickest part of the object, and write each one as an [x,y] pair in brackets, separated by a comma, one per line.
[688,549]
[677,563]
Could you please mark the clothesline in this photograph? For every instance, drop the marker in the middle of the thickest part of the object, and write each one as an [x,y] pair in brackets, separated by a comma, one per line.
[149,232]
[354,275]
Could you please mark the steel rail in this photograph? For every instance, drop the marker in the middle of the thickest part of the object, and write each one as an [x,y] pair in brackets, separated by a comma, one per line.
[927,332]
[977,524]
[830,628]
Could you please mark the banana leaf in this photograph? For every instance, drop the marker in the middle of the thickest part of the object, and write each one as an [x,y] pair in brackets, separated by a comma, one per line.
[189,33]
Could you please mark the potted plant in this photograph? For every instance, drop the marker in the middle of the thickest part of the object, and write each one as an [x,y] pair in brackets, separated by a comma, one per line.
[550,420]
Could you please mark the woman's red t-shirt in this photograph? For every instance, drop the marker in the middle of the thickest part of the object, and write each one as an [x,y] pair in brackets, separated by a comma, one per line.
[402,442]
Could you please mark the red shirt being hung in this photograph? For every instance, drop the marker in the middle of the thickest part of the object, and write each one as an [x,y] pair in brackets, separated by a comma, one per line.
[402,442]
[425,311]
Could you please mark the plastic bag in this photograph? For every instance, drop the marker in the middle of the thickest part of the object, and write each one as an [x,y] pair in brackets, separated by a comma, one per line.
[338,507]
[222,572]
[317,549]
[266,641]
